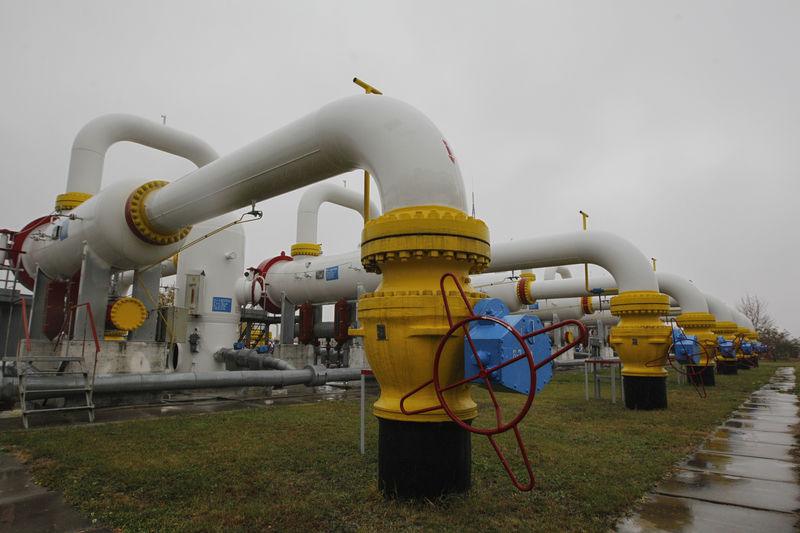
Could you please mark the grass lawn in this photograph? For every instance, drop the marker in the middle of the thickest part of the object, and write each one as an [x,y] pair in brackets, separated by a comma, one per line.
[297,468]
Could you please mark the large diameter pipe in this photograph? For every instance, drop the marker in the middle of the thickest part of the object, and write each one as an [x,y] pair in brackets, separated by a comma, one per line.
[314,197]
[629,266]
[250,358]
[719,309]
[402,149]
[690,298]
[96,137]
[128,383]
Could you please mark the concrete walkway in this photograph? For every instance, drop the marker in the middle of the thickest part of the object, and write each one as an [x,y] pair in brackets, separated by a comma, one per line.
[741,479]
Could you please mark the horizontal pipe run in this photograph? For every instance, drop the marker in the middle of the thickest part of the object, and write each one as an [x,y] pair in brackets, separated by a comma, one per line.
[248,358]
[627,264]
[402,149]
[130,383]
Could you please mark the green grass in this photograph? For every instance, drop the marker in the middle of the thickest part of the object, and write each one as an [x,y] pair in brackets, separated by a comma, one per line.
[297,468]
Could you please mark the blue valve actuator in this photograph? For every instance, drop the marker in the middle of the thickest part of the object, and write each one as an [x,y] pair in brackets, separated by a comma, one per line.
[686,347]
[496,344]
[747,348]
[726,348]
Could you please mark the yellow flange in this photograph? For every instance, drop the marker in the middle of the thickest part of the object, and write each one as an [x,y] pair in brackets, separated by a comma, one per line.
[306,248]
[136,217]
[425,232]
[114,335]
[127,314]
[70,200]
[641,339]
[403,321]
[701,324]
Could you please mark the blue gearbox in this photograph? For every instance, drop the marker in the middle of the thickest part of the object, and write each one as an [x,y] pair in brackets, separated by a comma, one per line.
[685,347]
[496,344]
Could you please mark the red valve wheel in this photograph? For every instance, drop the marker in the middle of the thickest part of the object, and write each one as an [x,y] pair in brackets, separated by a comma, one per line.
[484,374]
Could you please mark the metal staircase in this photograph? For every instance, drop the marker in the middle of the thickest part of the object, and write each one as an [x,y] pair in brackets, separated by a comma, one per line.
[46,377]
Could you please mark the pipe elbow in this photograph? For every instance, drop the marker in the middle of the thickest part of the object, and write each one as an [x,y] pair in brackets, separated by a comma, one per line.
[689,297]
[97,136]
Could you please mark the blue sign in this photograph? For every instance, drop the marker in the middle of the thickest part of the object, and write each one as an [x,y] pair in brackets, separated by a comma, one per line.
[331,273]
[221,305]
[64,230]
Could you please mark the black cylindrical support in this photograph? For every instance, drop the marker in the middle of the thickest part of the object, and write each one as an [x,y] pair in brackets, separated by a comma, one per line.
[701,375]
[645,393]
[744,363]
[727,366]
[423,459]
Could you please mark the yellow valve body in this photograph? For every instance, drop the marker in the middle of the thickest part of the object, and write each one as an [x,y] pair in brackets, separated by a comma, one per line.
[114,335]
[640,339]
[403,321]
[136,217]
[127,314]
[701,324]
[70,200]
[306,248]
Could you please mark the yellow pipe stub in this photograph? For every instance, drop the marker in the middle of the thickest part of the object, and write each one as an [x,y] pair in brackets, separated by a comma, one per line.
[306,248]
[641,339]
[127,314]
[136,217]
[524,291]
[70,200]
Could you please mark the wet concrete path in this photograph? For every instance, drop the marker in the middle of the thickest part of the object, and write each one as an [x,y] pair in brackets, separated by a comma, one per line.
[742,479]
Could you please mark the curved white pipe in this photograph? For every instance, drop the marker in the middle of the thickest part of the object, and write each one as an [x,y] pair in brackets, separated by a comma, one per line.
[126,278]
[629,267]
[403,150]
[315,196]
[719,309]
[689,297]
[741,319]
[561,270]
[96,137]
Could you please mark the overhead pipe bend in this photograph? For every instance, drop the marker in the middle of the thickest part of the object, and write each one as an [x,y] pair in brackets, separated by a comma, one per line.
[314,197]
[96,137]
[398,145]
[719,309]
[689,297]
[561,270]
[626,263]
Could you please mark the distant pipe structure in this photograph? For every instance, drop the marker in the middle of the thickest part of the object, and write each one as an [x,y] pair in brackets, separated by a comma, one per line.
[308,212]
[638,304]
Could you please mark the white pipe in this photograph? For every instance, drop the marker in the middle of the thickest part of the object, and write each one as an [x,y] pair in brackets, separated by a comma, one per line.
[741,319]
[561,270]
[565,308]
[95,138]
[315,196]
[3,246]
[629,266]
[689,297]
[318,280]
[719,309]
[402,149]
[167,267]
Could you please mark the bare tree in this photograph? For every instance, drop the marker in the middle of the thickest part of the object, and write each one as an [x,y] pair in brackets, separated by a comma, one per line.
[755,309]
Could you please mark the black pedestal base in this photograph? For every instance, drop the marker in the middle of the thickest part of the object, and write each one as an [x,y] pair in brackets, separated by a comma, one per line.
[744,364]
[699,374]
[645,393]
[423,459]
[727,367]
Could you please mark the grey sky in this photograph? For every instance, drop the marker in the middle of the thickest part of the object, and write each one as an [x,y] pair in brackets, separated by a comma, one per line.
[673,124]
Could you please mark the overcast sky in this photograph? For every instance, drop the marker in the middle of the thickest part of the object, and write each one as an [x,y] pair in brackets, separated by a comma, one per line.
[673,124]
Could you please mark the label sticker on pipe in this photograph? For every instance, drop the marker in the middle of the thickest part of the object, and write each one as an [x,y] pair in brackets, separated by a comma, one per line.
[332,273]
[221,305]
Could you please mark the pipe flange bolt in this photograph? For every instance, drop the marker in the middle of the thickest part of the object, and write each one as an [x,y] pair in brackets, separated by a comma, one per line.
[70,200]
[640,303]
[524,291]
[421,232]
[306,248]
[136,217]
